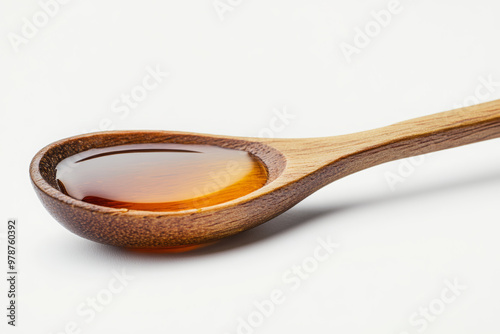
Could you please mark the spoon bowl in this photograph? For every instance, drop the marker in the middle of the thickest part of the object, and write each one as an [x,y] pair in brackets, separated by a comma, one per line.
[295,167]
[149,229]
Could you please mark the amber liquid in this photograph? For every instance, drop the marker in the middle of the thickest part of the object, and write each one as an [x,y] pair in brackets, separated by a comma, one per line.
[160,176]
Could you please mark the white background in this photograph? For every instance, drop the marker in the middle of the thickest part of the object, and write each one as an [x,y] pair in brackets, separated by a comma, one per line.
[397,246]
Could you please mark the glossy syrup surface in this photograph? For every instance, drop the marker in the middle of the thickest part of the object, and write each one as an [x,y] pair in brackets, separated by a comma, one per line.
[160,176]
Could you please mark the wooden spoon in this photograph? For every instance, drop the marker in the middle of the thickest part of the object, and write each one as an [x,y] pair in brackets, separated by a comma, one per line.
[296,168]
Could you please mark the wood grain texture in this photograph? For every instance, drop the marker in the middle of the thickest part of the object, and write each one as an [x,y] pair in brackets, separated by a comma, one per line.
[354,152]
[296,168]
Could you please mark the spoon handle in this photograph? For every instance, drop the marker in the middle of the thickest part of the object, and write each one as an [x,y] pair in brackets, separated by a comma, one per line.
[347,154]
[439,131]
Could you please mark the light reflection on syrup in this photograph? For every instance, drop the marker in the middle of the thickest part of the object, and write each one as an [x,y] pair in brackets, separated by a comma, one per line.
[160,176]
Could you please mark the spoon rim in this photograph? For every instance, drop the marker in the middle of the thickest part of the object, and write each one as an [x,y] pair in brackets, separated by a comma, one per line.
[43,185]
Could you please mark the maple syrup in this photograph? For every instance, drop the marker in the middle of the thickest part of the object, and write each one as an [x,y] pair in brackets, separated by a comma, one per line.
[160,176]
